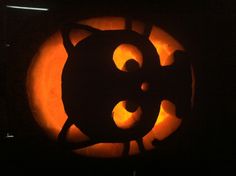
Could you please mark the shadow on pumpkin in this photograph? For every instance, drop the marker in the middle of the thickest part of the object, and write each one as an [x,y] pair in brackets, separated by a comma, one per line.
[92,85]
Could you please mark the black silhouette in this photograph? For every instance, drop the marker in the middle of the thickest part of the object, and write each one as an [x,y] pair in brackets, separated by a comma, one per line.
[92,85]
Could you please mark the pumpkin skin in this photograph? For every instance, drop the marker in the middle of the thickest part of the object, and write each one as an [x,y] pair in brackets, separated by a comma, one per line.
[45,86]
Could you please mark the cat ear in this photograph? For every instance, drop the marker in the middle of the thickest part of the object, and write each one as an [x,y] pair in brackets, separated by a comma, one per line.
[65,32]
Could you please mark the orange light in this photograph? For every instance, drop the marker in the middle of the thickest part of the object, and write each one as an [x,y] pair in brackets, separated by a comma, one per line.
[123,118]
[125,52]
[44,87]
[105,23]
[144,86]
[165,45]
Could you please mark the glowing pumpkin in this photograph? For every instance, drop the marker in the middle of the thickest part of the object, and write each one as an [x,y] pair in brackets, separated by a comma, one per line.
[108,87]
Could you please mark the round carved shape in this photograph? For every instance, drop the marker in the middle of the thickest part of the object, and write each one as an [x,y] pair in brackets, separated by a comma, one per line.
[110,87]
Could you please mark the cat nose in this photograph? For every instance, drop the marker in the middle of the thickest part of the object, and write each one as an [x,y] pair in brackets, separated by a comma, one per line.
[145,86]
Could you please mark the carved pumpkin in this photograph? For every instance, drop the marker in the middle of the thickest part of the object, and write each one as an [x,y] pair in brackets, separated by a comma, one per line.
[109,87]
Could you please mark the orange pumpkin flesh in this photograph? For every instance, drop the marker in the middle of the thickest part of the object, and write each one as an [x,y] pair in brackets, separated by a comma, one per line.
[44,87]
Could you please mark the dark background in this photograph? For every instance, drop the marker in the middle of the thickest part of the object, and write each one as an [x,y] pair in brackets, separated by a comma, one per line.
[206,140]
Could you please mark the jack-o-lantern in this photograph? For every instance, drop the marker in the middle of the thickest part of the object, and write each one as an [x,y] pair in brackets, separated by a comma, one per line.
[109,87]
